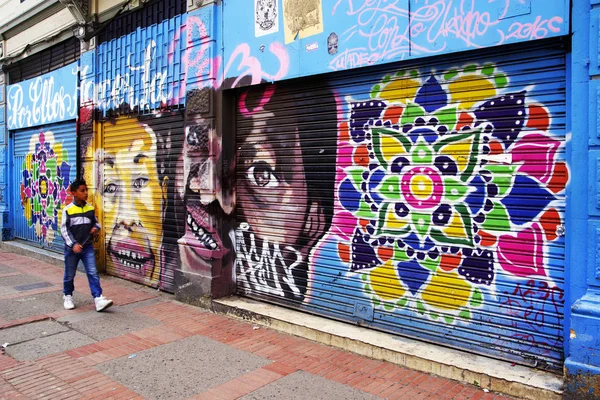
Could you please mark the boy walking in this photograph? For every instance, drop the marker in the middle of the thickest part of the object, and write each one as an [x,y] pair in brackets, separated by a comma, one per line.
[77,227]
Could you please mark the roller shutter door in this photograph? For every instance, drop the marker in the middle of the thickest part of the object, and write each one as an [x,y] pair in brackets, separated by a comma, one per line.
[426,200]
[138,173]
[44,166]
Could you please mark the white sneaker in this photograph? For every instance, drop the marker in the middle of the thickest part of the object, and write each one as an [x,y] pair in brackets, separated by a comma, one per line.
[68,302]
[102,303]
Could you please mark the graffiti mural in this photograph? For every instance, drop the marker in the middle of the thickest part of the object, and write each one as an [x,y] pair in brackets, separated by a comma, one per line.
[136,197]
[44,187]
[449,177]
[284,196]
[432,195]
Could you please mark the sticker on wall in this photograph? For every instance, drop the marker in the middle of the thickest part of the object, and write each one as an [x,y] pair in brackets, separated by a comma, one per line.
[332,43]
[44,185]
[266,17]
[302,18]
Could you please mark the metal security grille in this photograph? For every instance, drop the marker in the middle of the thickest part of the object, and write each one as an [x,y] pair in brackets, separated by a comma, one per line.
[139,166]
[424,199]
[44,165]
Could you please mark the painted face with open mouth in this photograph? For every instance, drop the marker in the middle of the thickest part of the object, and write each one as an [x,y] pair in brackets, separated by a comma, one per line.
[204,241]
[133,205]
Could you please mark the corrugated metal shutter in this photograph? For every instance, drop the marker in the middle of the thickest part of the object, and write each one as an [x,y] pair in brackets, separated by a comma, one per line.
[44,166]
[138,173]
[423,199]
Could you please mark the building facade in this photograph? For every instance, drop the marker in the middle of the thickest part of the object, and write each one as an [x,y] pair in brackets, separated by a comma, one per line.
[423,168]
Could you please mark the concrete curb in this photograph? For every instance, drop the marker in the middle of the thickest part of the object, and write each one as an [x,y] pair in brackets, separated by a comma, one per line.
[23,249]
[495,375]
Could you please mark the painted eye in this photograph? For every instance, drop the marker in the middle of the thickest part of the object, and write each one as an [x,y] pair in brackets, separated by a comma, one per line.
[140,183]
[261,174]
[110,188]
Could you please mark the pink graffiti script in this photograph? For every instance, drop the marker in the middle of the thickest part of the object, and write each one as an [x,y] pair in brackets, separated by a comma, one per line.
[208,71]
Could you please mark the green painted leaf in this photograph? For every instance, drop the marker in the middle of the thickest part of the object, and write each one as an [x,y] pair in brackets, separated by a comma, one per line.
[430,264]
[447,116]
[421,222]
[363,277]
[386,79]
[364,211]
[420,307]
[434,315]
[449,320]
[388,306]
[454,190]
[470,68]
[488,70]
[502,176]
[414,73]
[65,155]
[411,112]
[476,298]
[465,314]
[375,91]
[389,188]
[497,219]
[501,80]
[402,302]
[450,74]
[422,154]
[376,301]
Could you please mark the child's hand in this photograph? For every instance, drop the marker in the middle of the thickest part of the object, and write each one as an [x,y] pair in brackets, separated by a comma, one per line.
[94,231]
[77,248]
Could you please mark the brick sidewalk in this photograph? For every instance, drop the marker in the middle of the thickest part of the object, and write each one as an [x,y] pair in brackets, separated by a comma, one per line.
[76,373]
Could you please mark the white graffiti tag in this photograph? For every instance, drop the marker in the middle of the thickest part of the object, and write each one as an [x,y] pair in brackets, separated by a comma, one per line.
[265,270]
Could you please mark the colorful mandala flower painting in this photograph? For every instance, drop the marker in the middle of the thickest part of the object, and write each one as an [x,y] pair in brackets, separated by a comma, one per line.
[449,179]
[44,185]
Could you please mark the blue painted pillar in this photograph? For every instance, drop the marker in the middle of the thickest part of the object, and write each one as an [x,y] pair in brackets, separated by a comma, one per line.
[582,336]
[5,227]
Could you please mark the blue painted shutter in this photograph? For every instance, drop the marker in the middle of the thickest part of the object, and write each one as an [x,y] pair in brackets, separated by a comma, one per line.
[44,165]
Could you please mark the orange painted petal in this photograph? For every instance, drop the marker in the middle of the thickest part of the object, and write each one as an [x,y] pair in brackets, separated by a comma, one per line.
[538,118]
[496,147]
[550,220]
[344,134]
[393,114]
[464,119]
[560,177]
[450,261]
[361,155]
[344,252]
[487,239]
[385,253]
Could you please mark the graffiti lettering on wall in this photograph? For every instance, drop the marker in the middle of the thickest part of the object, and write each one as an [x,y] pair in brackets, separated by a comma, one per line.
[391,31]
[241,62]
[44,185]
[144,69]
[43,100]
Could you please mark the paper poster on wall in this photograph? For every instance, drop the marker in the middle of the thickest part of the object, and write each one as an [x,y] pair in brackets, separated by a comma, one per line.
[266,17]
[302,18]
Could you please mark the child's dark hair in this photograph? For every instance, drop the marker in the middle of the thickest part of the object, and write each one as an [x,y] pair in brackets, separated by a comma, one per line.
[76,183]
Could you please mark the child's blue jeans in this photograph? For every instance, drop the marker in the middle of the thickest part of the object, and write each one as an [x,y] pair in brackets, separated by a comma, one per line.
[89,262]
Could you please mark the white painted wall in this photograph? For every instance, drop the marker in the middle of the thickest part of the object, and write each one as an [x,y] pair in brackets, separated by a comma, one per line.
[10,9]
[47,28]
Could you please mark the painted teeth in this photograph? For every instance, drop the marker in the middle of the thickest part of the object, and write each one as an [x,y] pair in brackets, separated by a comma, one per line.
[201,234]
[130,259]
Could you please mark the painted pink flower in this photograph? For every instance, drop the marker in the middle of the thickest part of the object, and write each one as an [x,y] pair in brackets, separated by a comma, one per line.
[537,153]
[523,254]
